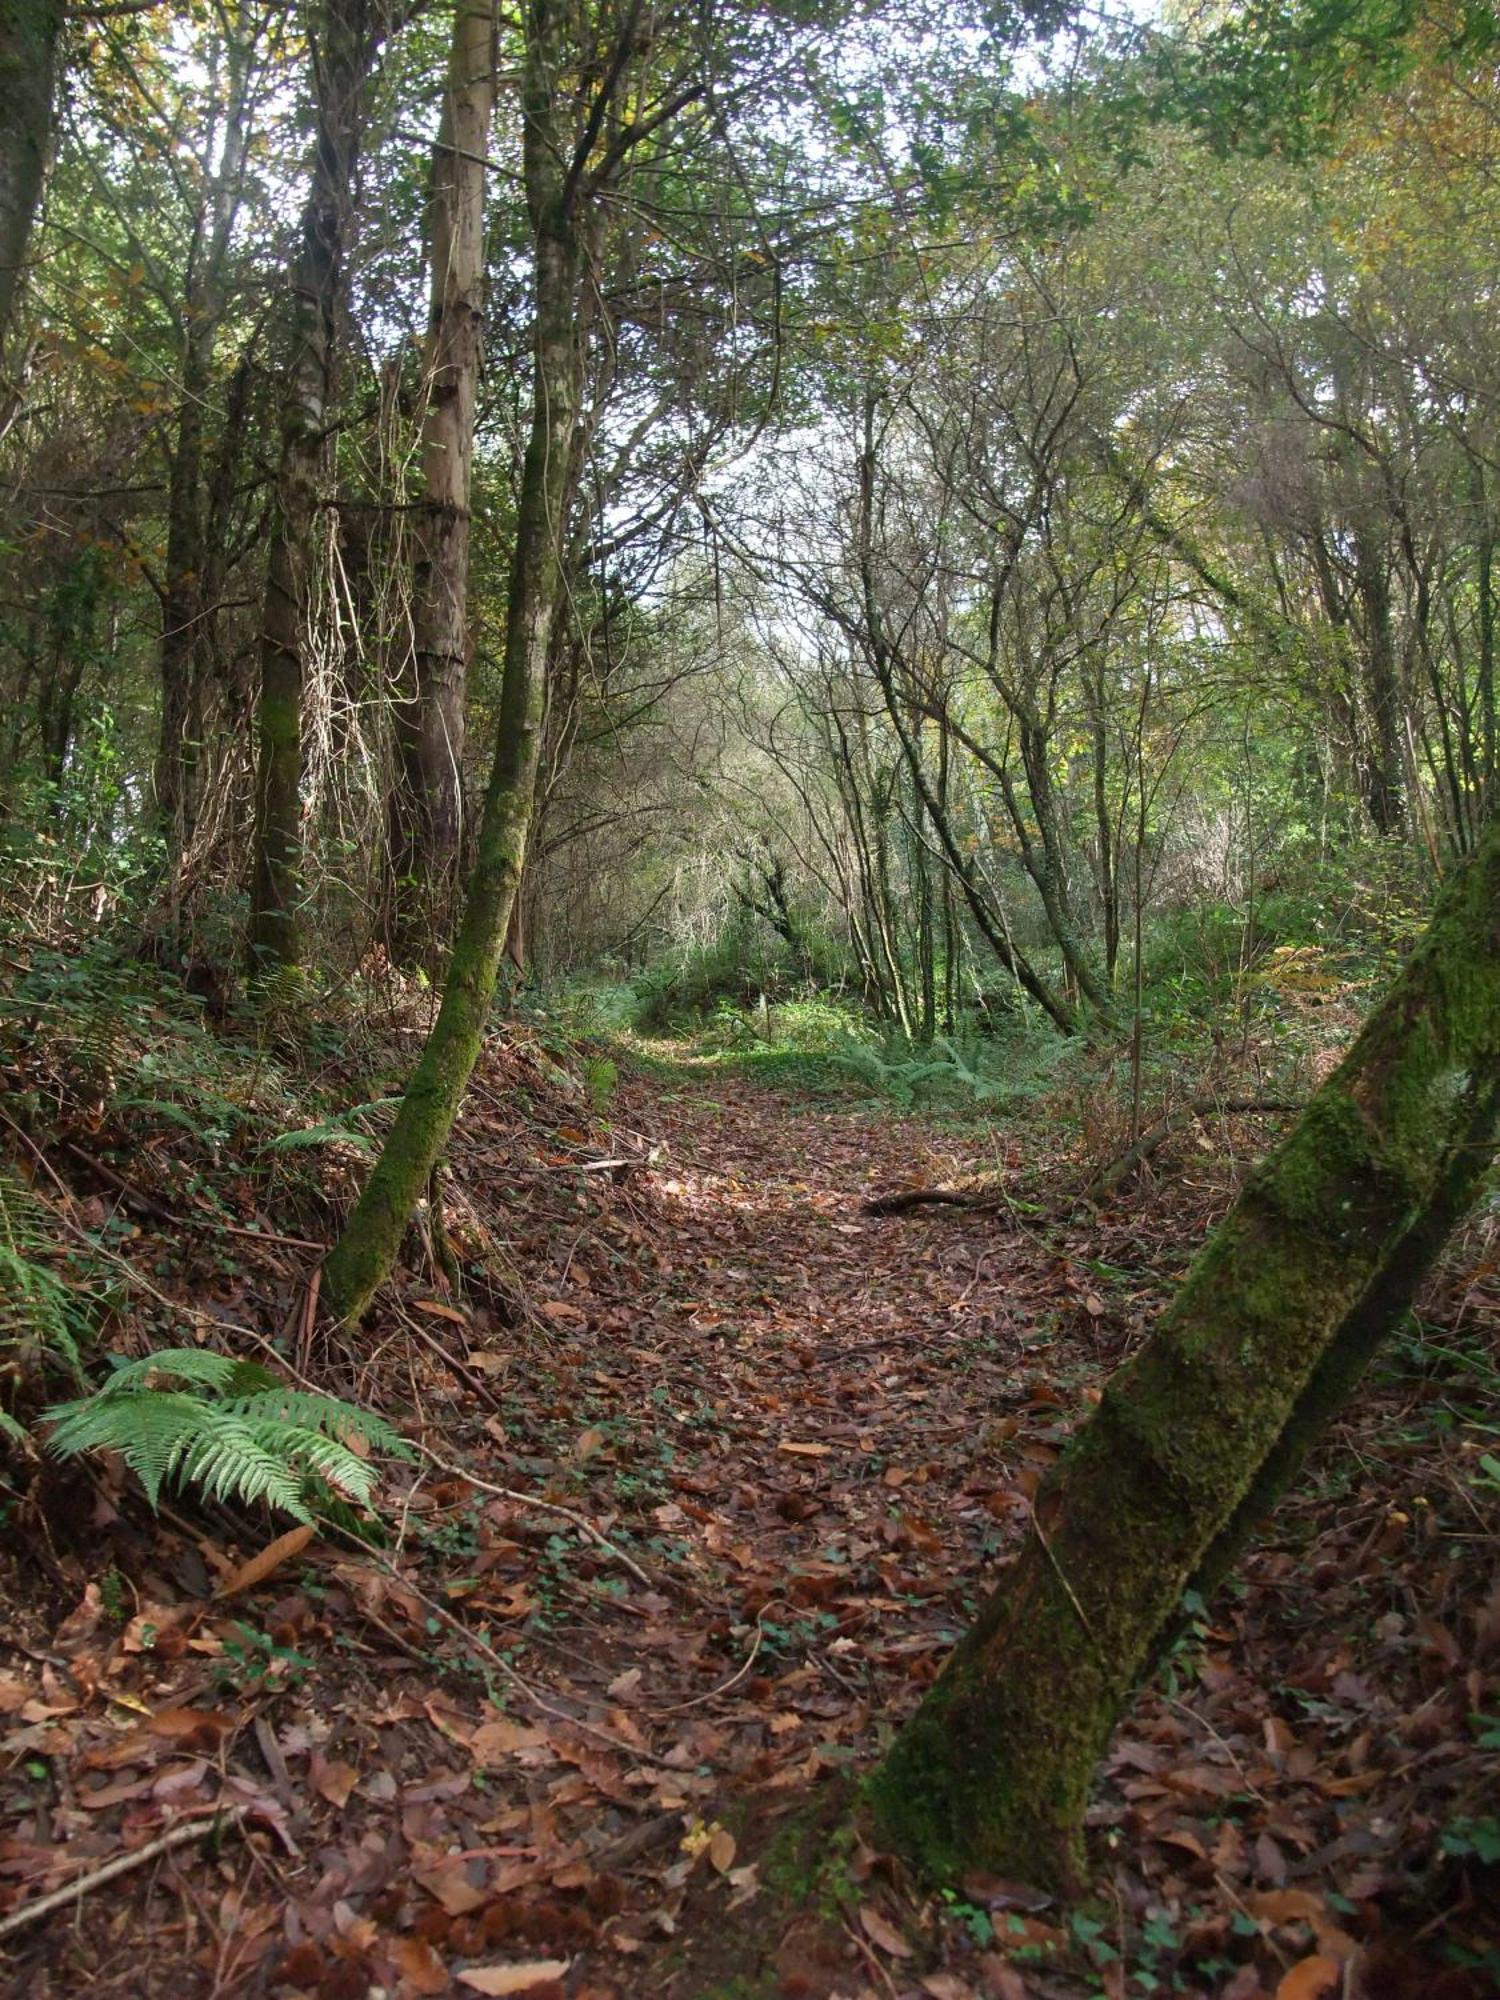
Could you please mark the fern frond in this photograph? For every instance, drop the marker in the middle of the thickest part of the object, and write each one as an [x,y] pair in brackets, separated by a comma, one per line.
[233,1429]
[202,1365]
[35,1304]
[231,1461]
[151,1430]
[321,1413]
[325,1457]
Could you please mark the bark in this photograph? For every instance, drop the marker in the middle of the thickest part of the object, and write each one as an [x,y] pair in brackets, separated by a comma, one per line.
[1312,1266]
[365,1253]
[427,804]
[1385,796]
[342,60]
[186,604]
[30,31]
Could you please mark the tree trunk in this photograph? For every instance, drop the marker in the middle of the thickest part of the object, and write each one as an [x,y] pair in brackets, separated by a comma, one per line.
[342,60]
[185,605]
[365,1253]
[1317,1259]
[29,35]
[427,803]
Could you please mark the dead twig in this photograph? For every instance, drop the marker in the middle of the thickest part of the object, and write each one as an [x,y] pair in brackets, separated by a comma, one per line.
[82,1885]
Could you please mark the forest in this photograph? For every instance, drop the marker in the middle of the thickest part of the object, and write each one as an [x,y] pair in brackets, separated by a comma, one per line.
[749,999]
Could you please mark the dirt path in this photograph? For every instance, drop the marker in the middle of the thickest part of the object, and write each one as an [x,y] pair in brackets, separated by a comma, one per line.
[813,1434]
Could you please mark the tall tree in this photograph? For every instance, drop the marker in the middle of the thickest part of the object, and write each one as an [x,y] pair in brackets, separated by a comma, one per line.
[30,33]
[343,39]
[427,800]
[192,562]
[600,84]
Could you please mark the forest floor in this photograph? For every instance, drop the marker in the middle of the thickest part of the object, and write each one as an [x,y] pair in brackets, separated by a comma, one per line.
[562,1748]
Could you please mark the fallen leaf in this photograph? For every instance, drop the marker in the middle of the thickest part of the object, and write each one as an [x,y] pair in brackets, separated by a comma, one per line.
[721,1849]
[449,1882]
[878,1931]
[419,1964]
[199,1727]
[492,1742]
[513,1978]
[1310,1978]
[334,1780]
[13,1693]
[1284,1906]
[806,1450]
[438,1310]
[271,1557]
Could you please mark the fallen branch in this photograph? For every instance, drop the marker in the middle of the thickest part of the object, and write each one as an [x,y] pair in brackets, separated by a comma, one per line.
[82,1885]
[905,1198]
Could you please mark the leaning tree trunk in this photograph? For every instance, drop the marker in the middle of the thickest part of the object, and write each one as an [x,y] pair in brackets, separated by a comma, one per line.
[365,1253]
[1197,1435]
[343,55]
[427,802]
[29,34]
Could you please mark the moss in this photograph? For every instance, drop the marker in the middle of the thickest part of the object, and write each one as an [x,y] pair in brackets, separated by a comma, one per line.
[806,1863]
[1265,1338]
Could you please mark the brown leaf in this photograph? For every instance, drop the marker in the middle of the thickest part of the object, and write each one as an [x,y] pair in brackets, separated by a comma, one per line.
[721,1849]
[334,1780]
[419,1965]
[1310,1978]
[195,1728]
[513,1978]
[806,1450]
[271,1557]
[448,1882]
[492,1742]
[880,1932]
[1284,1906]
[1002,1981]
[14,1692]
[437,1310]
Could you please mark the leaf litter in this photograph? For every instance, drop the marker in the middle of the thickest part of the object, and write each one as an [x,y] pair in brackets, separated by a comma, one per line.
[697,1525]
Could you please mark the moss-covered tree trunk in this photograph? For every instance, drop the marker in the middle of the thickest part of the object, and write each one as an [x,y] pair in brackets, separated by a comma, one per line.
[343,53]
[1196,1436]
[365,1253]
[29,34]
[427,801]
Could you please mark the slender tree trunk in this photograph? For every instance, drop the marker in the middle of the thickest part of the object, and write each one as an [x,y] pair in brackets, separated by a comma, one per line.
[1314,1263]
[427,802]
[185,604]
[365,1253]
[29,34]
[343,57]
[1385,794]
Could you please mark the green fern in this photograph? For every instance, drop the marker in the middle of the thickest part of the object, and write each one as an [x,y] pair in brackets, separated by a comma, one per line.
[234,1430]
[37,1310]
[333,1130]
